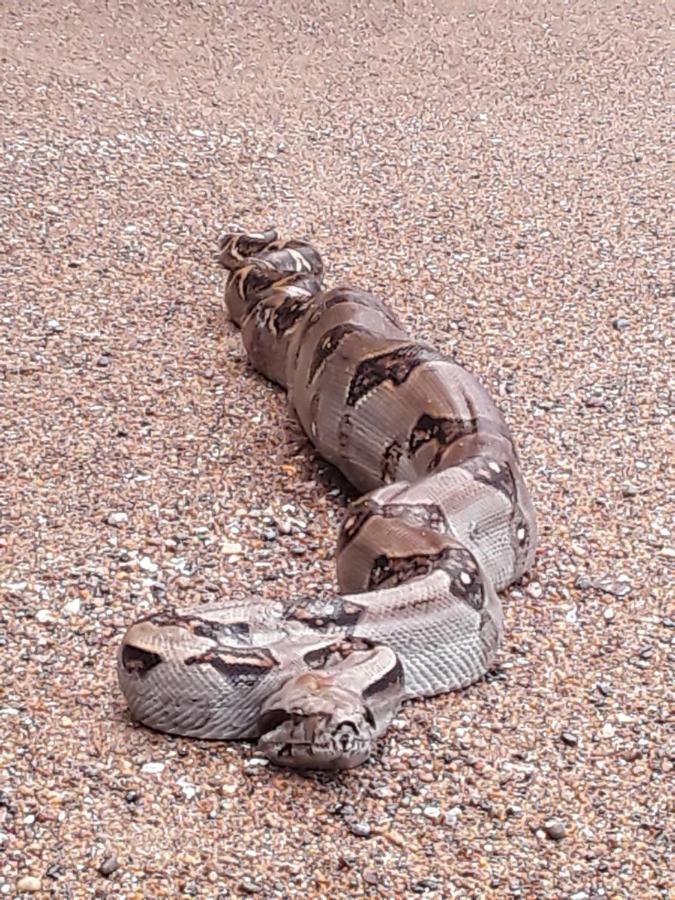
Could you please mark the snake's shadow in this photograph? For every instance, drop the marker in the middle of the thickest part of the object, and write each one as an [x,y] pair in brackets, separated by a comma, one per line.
[315,467]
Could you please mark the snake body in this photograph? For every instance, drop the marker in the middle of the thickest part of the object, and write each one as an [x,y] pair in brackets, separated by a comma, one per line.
[445,521]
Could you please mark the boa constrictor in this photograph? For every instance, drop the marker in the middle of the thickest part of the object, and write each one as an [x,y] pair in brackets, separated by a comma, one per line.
[445,521]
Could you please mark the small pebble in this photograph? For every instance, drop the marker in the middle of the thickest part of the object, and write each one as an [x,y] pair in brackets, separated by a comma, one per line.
[230,548]
[360,829]
[568,738]
[117,518]
[45,615]
[29,884]
[147,565]
[72,607]
[555,829]
[108,866]
[433,813]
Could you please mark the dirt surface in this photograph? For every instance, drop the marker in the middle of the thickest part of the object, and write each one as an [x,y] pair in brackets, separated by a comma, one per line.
[500,172]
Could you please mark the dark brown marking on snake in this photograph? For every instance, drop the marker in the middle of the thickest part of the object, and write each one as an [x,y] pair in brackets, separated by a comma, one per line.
[363,300]
[394,677]
[216,630]
[403,568]
[280,256]
[328,344]
[320,658]
[314,414]
[420,515]
[258,280]
[307,323]
[441,430]
[236,665]
[392,365]
[248,245]
[493,473]
[390,460]
[239,276]
[138,661]
[467,581]
[358,515]
[289,312]
[201,627]
[344,431]
[520,539]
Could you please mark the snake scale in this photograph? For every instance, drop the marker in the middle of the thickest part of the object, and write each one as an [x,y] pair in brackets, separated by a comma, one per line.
[444,522]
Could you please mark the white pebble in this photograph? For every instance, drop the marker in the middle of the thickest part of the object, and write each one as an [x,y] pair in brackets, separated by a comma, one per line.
[432,812]
[152,768]
[45,615]
[117,518]
[230,548]
[72,607]
[189,790]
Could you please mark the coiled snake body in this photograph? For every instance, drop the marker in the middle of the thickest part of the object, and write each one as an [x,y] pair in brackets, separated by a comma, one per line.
[445,521]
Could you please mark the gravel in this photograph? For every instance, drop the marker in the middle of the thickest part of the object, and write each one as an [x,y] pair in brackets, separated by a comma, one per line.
[501,174]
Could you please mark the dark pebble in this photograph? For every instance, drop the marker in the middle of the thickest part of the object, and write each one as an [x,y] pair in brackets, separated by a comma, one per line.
[555,829]
[568,738]
[248,887]
[108,866]
[132,796]
[620,324]
[425,884]
[360,829]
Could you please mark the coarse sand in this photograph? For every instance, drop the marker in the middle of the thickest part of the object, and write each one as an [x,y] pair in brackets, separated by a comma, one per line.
[499,171]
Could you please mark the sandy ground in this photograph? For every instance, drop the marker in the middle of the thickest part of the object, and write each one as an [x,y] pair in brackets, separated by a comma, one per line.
[499,172]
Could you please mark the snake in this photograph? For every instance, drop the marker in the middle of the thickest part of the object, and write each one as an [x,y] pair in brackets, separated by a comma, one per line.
[442,523]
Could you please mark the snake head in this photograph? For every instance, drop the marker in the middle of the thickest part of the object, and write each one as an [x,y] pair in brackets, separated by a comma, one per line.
[330,718]
[314,723]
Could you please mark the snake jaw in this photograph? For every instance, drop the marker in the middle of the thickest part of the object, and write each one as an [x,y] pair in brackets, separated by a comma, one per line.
[314,723]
